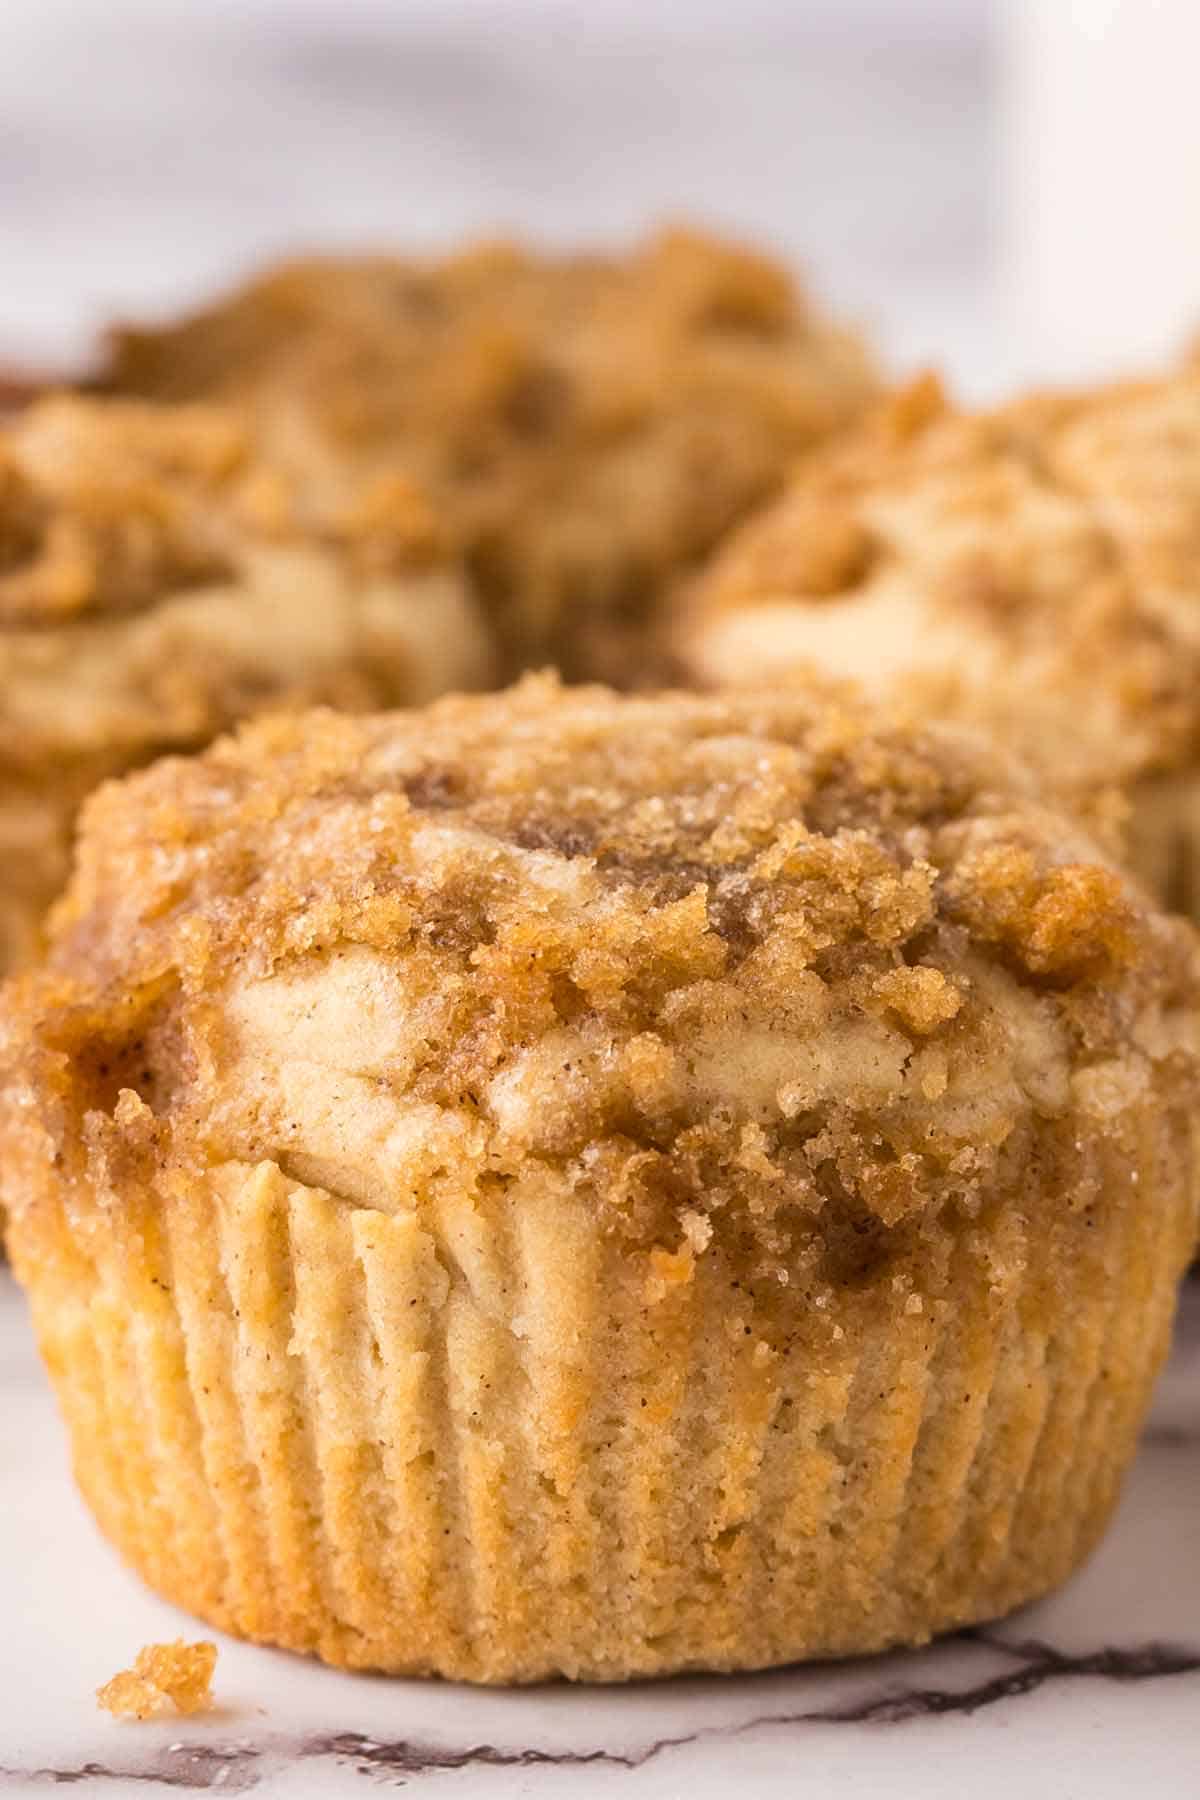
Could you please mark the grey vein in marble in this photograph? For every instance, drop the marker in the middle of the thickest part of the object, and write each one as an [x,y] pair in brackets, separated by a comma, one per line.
[236,1768]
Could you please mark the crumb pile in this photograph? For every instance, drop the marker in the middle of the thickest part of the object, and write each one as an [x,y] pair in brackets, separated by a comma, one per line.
[589,426]
[1033,570]
[562,1184]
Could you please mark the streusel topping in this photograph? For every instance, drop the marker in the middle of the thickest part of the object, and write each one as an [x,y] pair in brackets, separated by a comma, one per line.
[1034,569]
[158,581]
[588,425]
[762,965]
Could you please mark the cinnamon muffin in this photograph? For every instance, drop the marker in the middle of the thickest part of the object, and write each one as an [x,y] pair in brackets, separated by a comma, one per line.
[570,1185]
[590,425]
[158,583]
[1035,570]
[17,389]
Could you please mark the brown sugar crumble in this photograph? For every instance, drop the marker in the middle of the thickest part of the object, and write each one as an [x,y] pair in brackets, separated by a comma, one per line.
[164,1678]
[1033,571]
[159,582]
[588,425]
[750,959]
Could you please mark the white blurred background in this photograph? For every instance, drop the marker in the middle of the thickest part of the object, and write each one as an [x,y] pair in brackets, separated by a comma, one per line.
[962,175]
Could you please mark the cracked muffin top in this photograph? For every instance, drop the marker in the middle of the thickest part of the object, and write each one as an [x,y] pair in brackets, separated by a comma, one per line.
[767,966]
[1035,569]
[589,425]
[158,581]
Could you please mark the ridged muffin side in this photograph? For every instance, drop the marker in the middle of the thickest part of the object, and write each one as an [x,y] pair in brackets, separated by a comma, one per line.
[482,1224]
[307,1427]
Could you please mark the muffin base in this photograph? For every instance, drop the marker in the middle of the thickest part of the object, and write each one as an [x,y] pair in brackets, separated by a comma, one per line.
[505,1448]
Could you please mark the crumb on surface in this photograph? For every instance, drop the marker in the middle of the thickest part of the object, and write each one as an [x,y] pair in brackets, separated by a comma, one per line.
[164,1678]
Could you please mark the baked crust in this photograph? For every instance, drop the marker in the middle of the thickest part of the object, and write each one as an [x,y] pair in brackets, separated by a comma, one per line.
[157,583]
[1033,570]
[562,1184]
[588,425]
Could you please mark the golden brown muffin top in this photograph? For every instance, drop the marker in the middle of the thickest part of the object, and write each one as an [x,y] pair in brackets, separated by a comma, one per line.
[106,506]
[588,424]
[158,581]
[760,965]
[103,508]
[1035,569]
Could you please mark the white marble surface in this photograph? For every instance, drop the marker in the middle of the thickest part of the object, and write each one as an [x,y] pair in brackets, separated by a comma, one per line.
[1073,1700]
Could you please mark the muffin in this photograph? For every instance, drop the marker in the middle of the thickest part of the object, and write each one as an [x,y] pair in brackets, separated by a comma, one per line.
[569,1185]
[157,583]
[589,425]
[17,389]
[1035,570]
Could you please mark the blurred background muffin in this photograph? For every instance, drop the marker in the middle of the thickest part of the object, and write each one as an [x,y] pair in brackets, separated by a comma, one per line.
[1034,571]
[158,583]
[588,425]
